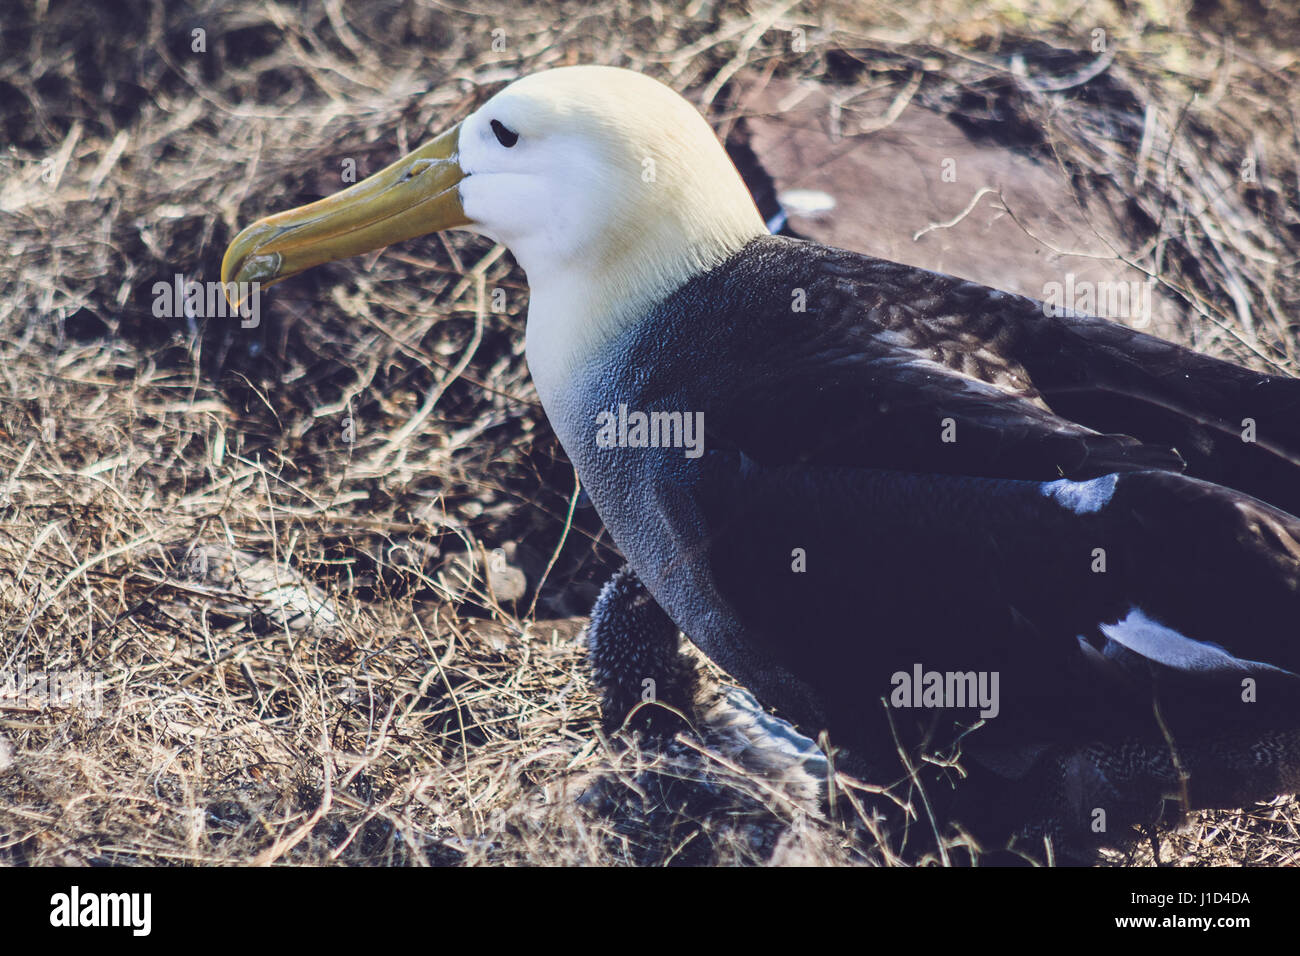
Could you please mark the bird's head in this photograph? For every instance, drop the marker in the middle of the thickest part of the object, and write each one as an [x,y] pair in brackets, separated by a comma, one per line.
[609,188]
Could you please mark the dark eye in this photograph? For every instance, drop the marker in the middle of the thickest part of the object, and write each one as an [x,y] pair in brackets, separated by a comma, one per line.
[505,137]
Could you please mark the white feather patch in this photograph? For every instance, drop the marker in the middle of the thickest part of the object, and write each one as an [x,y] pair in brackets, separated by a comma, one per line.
[1164,645]
[1081,497]
[777,734]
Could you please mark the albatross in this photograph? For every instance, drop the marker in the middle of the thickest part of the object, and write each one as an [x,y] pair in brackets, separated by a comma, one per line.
[907,510]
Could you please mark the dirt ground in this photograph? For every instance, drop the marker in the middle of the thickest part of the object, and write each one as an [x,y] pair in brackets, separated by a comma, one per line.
[316,587]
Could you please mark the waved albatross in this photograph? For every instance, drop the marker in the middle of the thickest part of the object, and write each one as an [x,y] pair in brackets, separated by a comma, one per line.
[906,509]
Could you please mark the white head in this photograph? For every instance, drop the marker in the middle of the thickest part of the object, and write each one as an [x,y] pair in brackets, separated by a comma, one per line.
[609,188]
[614,183]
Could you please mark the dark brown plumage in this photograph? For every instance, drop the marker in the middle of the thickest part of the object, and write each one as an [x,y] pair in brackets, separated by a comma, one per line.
[824,434]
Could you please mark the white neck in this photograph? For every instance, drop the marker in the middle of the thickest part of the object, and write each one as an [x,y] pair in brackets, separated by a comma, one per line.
[576,307]
[616,194]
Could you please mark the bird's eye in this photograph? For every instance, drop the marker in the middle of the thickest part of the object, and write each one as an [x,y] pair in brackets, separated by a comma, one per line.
[505,137]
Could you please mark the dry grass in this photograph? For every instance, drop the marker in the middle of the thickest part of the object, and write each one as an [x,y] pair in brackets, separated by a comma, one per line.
[293,666]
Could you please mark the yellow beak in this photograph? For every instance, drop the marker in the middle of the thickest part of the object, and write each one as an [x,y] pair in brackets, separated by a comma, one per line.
[416,195]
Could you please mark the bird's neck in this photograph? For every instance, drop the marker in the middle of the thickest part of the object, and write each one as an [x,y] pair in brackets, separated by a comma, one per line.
[577,308]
